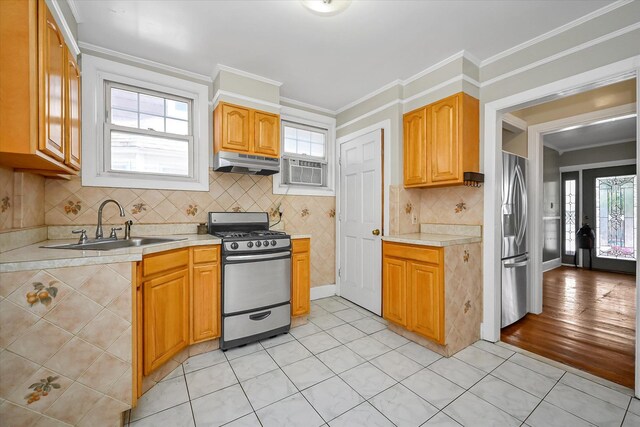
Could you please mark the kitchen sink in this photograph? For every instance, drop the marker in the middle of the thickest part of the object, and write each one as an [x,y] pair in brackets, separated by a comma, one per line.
[108,244]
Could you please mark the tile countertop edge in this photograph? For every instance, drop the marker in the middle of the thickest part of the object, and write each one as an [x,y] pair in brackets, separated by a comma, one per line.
[40,258]
[428,239]
[300,236]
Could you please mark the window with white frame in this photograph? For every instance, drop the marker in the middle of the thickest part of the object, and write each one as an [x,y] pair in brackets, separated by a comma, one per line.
[143,129]
[304,155]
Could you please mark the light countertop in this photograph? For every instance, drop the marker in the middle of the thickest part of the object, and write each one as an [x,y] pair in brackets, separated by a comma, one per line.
[432,239]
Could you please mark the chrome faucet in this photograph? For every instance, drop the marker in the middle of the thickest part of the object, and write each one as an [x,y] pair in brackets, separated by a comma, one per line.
[99,234]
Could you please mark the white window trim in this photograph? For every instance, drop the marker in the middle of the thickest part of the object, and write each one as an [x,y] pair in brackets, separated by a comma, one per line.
[94,174]
[303,117]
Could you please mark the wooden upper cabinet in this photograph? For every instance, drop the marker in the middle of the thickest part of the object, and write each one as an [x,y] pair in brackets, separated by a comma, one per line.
[266,134]
[235,128]
[441,142]
[415,146]
[35,83]
[300,276]
[74,114]
[245,130]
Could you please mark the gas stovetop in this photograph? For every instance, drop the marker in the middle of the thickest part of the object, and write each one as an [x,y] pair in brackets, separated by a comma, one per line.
[238,235]
[247,232]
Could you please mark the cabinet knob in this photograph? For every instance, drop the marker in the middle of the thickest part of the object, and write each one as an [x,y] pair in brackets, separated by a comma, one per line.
[376,232]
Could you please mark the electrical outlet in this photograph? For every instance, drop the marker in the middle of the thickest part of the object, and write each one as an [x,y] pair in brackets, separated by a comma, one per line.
[414,218]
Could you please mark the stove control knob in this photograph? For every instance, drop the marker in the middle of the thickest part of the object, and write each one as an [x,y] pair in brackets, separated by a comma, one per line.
[265,243]
[234,245]
[249,244]
[258,243]
[273,243]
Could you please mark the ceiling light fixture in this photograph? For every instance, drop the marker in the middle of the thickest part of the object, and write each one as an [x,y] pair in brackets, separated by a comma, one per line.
[326,7]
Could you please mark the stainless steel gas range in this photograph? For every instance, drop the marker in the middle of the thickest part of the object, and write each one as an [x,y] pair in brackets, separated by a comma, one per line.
[256,277]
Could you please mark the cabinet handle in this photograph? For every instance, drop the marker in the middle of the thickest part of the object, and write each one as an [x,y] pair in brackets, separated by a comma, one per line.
[376,232]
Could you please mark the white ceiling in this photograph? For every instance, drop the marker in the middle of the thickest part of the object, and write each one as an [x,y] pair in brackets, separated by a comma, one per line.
[593,135]
[324,61]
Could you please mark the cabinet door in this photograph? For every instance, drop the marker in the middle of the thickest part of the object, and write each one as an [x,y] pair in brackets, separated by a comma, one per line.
[165,317]
[443,140]
[53,68]
[73,114]
[235,128]
[426,301]
[300,282]
[394,290]
[266,134]
[415,146]
[205,297]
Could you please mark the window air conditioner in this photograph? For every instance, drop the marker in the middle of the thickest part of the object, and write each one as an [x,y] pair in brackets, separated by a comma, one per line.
[304,172]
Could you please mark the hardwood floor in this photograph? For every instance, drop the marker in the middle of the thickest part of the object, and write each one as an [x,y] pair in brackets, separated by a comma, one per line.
[587,321]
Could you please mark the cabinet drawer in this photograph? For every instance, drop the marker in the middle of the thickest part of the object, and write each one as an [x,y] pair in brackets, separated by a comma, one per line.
[418,253]
[205,254]
[301,245]
[153,264]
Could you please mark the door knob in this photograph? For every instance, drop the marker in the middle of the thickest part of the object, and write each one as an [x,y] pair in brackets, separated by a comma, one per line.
[376,232]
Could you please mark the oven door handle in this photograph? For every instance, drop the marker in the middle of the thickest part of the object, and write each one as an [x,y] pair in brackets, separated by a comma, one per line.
[260,316]
[257,256]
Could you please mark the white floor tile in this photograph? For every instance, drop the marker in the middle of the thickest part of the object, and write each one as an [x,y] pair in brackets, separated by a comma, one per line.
[236,352]
[547,415]
[396,365]
[368,325]
[367,380]
[178,416]
[390,339]
[163,395]
[433,388]
[204,360]
[631,420]
[287,353]
[524,378]
[362,415]
[441,420]
[403,407]
[268,388]
[331,305]
[221,407]
[208,380]
[596,390]
[332,398]
[457,371]
[480,359]
[418,353]
[340,359]
[252,365]
[505,396]
[585,406]
[277,340]
[635,406]
[250,420]
[307,372]
[305,330]
[368,348]
[294,411]
[345,333]
[535,365]
[317,343]
[179,371]
[493,349]
[468,409]
[327,321]
[349,315]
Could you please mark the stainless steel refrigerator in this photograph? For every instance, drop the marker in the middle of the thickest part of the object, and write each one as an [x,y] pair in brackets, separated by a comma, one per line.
[515,258]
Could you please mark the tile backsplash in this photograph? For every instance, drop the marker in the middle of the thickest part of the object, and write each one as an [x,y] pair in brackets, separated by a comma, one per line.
[21,199]
[69,203]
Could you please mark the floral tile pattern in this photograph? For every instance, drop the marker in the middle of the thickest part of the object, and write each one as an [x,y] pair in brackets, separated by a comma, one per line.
[58,339]
[21,199]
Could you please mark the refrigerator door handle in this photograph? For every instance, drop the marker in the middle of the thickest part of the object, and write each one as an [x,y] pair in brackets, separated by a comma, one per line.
[517,264]
[523,198]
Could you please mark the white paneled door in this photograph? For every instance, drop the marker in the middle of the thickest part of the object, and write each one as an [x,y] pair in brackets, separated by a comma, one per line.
[361,220]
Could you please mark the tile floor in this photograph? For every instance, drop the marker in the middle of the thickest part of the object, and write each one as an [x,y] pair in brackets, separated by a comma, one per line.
[344,368]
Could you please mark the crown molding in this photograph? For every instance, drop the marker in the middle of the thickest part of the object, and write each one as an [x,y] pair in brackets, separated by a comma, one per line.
[220,67]
[74,10]
[556,31]
[307,105]
[220,93]
[370,113]
[370,95]
[66,30]
[458,78]
[514,121]
[93,48]
[588,146]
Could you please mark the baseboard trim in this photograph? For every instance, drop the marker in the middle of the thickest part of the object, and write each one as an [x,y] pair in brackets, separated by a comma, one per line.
[323,291]
[550,265]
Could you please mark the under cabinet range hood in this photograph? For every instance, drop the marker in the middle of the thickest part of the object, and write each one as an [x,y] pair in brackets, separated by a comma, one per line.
[227,161]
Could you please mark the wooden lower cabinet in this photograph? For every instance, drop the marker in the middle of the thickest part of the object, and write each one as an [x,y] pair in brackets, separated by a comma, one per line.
[413,288]
[300,276]
[205,294]
[165,314]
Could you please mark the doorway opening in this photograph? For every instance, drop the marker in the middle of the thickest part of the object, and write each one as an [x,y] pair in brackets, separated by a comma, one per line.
[582,306]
